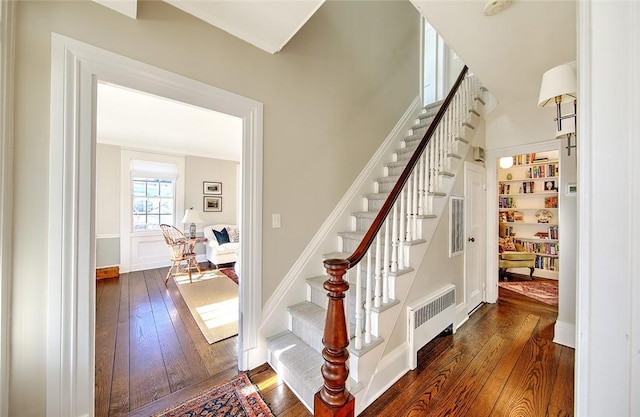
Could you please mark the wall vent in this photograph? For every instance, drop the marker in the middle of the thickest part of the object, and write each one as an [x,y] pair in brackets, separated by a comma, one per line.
[428,317]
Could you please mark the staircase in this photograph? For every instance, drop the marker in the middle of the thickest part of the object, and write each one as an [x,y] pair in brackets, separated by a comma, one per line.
[379,284]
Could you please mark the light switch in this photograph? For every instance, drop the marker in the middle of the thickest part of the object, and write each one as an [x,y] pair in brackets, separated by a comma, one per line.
[275,219]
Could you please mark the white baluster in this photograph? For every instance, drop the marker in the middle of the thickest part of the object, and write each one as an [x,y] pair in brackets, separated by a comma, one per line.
[367,301]
[358,308]
[421,193]
[385,270]
[414,216]
[407,219]
[402,235]
[378,284]
[394,239]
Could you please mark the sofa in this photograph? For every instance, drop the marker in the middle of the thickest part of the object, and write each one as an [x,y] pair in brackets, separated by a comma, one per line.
[223,243]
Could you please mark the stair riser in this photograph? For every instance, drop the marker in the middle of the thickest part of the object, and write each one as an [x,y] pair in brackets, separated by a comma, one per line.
[311,335]
[374,205]
[349,245]
[318,296]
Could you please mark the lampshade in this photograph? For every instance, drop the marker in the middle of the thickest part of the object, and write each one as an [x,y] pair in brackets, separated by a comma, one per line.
[568,128]
[191,216]
[558,81]
[506,162]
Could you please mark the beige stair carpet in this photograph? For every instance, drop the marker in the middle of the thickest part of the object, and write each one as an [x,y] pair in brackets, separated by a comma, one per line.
[212,299]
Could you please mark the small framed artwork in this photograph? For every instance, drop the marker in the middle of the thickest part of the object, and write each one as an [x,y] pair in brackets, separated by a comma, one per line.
[212,204]
[549,185]
[211,188]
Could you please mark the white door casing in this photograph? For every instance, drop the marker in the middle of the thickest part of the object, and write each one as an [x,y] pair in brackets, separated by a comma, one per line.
[475,229]
[75,69]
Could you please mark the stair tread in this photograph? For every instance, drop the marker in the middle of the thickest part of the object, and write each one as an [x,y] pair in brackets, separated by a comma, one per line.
[377,196]
[389,178]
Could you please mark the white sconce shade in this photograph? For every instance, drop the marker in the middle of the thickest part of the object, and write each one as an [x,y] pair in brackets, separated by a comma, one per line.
[568,128]
[506,162]
[560,82]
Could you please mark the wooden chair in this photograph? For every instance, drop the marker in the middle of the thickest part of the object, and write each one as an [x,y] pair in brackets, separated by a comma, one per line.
[180,251]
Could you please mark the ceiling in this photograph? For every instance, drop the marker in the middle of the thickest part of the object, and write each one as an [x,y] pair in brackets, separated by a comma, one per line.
[139,120]
[509,51]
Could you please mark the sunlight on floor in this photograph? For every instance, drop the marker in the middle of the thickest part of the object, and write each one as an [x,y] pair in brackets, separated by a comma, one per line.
[218,314]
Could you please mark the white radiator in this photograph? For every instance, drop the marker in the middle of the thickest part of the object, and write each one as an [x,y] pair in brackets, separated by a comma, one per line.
[428,317]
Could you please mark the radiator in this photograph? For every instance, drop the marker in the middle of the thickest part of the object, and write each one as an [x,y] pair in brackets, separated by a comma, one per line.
[428,317]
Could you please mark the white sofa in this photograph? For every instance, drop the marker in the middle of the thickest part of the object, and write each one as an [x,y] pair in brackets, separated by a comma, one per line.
[226,253]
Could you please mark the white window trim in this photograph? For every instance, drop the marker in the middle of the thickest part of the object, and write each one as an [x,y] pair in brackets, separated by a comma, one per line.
[126,215]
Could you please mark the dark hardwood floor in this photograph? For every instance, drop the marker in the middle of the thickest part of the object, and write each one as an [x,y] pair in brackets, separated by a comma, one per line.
[148,345]
[502,362]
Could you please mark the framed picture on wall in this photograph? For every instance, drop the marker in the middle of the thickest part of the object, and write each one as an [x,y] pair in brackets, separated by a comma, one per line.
[211,188]
[212,204]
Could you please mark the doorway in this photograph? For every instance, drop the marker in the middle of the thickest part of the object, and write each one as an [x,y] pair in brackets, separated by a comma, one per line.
[76,68]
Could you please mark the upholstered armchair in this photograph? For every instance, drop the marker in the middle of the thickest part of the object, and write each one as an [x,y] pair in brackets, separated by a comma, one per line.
[513,255]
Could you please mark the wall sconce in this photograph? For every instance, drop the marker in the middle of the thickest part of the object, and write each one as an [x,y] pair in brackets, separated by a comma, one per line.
[559,83]
[191,216]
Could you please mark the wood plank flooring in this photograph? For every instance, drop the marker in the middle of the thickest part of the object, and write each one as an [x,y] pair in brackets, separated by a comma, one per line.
[148,346]
[502,362]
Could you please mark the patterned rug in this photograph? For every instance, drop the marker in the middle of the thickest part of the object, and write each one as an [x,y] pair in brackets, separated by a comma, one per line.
[237,397]
[545,291]
[231,273]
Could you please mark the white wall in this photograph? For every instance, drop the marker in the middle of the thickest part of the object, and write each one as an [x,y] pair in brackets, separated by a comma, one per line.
[330,97]
[199,169]
[608,345]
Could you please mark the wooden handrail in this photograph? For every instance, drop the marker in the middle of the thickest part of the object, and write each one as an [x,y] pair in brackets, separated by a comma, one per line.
[333,399]
[368,238]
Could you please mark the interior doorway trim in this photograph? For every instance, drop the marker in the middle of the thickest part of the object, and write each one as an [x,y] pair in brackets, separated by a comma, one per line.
[491,284]
[75,69]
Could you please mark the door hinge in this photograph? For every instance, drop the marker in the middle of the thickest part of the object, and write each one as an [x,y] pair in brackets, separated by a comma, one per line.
[484,187]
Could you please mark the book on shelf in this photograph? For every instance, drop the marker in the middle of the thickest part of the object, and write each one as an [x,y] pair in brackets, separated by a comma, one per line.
[507,202]
[528,187]
[504,188]
[551,202]
[553,232]
[542,235]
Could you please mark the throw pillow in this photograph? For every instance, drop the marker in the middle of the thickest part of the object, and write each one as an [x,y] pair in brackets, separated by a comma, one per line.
[506,244]
[221,236]
[234,236]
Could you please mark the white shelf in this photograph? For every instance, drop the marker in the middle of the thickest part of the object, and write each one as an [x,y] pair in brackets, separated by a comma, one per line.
[547,193]
[532,223]
[530,179]
[550,161]
[535,239]
[527,208]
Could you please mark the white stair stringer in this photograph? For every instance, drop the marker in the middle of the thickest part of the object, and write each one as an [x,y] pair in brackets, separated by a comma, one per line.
[295,353]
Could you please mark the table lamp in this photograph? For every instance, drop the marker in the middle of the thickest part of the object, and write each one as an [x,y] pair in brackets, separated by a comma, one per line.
[191,216]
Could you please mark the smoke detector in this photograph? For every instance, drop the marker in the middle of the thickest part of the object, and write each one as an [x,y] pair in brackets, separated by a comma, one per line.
[495,6]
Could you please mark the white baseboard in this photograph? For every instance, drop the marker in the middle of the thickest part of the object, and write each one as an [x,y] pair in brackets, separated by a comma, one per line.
[391,368]
[565,334]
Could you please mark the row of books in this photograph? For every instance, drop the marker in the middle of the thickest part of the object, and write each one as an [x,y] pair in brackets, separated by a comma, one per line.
[544,262]
[543,171]
[524,159]
[553,232]
[511,216]
[528,187]
[547,248]
[504,188]
[507,202]
[551,202]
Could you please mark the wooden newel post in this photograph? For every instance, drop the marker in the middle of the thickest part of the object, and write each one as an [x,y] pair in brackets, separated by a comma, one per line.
[333,399]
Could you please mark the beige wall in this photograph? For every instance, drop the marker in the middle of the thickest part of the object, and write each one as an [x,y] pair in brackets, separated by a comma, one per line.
[330,97]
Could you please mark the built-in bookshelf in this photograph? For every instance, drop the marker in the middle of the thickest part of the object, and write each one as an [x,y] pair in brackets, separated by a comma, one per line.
[528,207]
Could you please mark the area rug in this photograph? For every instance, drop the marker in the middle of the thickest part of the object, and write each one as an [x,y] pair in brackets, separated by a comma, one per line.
[213,301]
[238,397]
[231,273]
[545,291]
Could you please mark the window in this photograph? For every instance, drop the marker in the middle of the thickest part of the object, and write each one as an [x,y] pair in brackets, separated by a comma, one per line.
[153,203]
[456,225]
